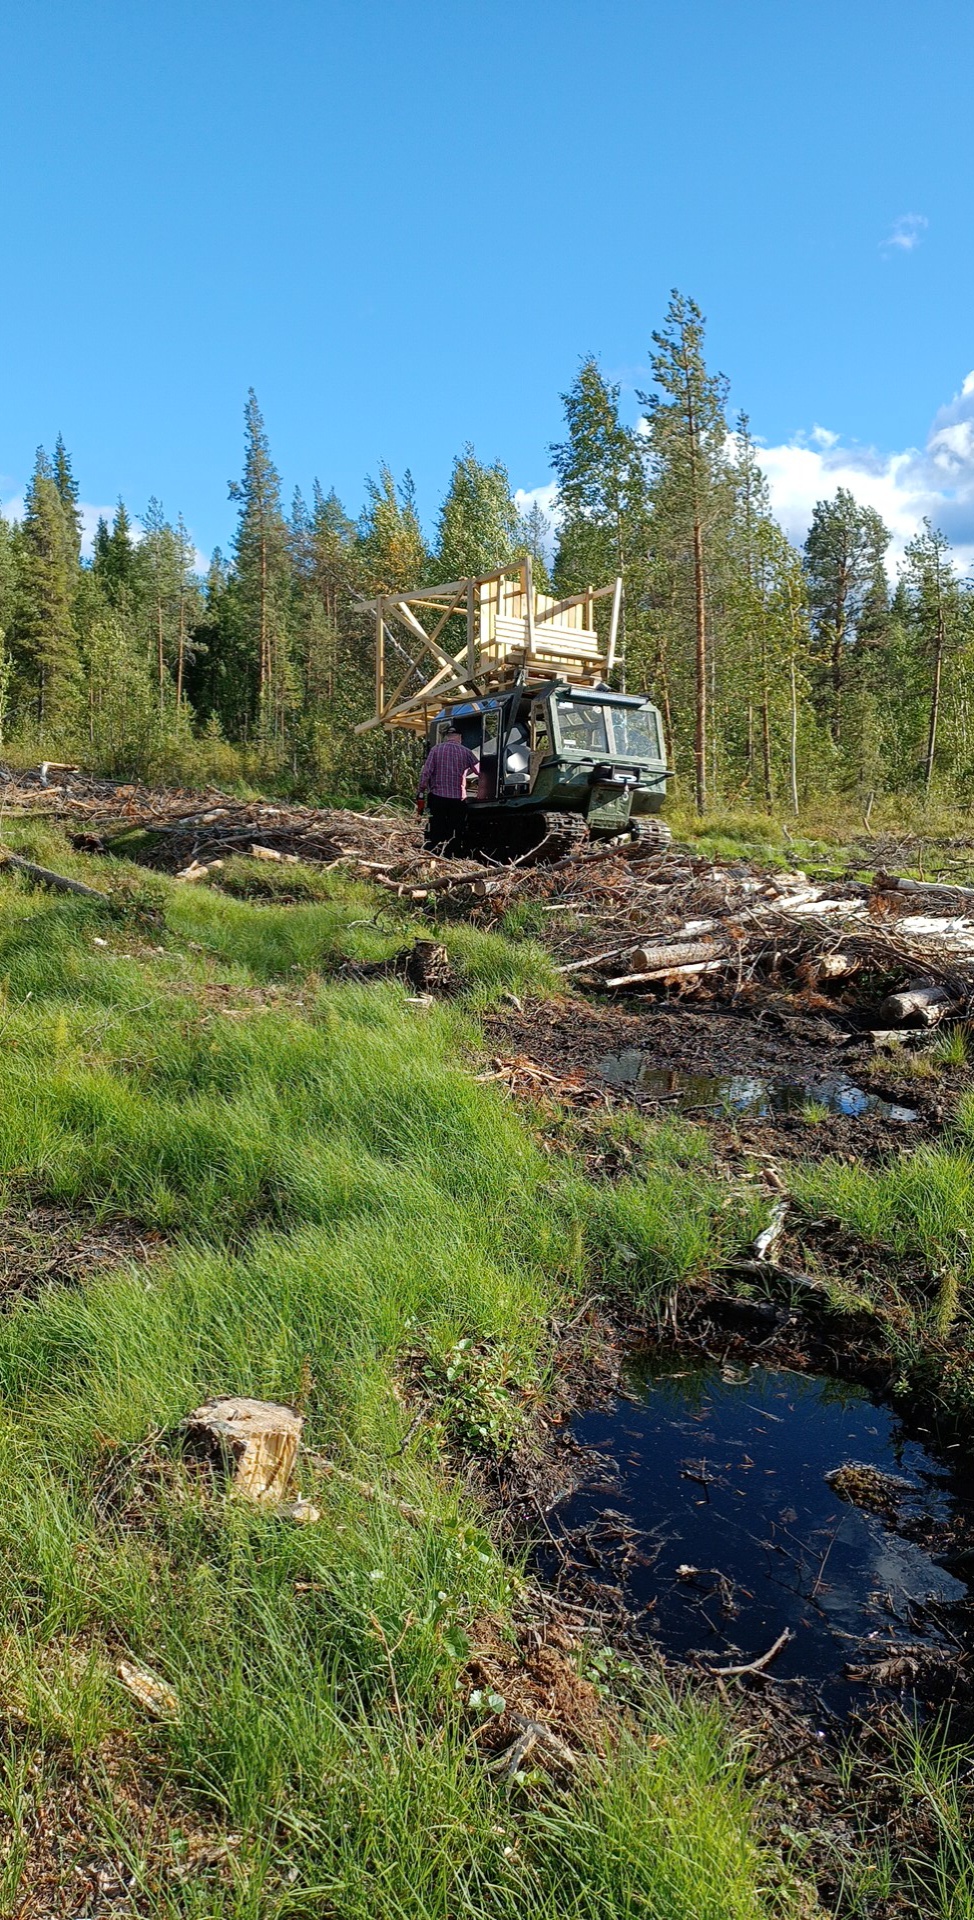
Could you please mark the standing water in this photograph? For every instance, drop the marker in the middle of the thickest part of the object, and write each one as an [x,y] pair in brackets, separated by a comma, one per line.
[728,1505]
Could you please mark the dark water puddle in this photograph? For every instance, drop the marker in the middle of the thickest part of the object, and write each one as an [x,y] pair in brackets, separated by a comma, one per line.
[712,1513]
[742,1093]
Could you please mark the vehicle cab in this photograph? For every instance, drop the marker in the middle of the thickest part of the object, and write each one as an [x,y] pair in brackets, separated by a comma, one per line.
[583,750]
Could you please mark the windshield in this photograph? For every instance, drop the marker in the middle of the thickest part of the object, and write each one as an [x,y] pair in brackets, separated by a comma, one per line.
[636,731]
[630,732]
[583,727]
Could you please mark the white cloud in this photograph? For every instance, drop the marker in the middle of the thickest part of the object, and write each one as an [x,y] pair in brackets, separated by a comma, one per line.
[906,233]
[935,481]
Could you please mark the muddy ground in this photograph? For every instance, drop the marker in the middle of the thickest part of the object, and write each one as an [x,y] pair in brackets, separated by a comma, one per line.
[767,1036]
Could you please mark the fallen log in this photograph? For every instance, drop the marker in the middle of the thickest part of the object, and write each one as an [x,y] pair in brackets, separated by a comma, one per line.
[677,954]
[666,973]
[44,877]
[919,1005]
[893,883]
[591,959]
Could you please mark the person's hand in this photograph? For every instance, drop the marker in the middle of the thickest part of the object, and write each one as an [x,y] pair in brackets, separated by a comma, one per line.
[420,805]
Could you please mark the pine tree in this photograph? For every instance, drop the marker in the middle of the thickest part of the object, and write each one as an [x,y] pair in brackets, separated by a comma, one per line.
[764,629]
[331,578]
[937,611]
[687,431]
[262,576]
[44,641]
[168,600]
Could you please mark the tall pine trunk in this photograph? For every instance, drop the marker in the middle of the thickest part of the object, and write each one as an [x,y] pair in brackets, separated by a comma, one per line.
[700,614]
[793,740]
[938,662]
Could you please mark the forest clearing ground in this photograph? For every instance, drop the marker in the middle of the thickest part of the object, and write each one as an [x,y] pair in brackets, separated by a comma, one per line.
[338,1209]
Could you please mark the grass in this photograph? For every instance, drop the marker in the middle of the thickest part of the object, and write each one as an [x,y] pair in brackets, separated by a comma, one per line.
[925,1782]
[830,836]
[337,1193]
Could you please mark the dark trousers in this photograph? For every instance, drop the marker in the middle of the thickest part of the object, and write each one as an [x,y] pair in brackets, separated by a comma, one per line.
[445,824]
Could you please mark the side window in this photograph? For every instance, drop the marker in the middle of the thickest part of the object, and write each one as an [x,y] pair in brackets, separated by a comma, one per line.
[540,731]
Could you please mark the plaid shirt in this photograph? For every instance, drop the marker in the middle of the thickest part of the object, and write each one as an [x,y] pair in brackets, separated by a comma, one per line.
[445,769]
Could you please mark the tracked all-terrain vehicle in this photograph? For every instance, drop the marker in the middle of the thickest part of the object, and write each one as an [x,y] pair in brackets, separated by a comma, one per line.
[562,757]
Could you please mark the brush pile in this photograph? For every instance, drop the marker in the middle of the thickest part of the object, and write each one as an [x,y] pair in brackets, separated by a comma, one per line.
[185,829]
[617,918]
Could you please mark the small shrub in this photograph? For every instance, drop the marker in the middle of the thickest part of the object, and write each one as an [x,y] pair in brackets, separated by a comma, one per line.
[138,903]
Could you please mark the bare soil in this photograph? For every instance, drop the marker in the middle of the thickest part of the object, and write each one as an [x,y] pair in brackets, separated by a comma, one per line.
[762,1035]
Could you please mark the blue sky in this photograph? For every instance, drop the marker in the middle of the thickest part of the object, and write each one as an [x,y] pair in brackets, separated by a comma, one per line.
[403,224]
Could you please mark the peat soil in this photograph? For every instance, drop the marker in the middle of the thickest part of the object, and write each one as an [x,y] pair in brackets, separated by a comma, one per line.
[763,1071]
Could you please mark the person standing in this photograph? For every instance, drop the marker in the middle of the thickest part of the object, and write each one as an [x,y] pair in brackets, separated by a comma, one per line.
[444,782]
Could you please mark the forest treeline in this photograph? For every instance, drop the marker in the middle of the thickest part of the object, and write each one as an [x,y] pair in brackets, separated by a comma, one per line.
[781,673]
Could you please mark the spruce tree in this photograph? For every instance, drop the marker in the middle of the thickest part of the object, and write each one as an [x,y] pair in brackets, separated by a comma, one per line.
[67,488]
[262,584]
[44,641]
[113,557]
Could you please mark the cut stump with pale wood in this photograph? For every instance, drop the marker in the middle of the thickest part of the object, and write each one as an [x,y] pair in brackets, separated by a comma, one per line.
[257,1440]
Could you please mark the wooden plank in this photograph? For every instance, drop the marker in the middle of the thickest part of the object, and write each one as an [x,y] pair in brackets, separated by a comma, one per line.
[614,623]
[555,607]
[529,601]
[416,627]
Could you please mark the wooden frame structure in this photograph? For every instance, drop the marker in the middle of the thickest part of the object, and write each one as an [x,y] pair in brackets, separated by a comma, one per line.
[510,628]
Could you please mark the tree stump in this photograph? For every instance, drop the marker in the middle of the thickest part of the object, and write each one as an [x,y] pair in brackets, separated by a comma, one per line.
[427,967]
[256,1439]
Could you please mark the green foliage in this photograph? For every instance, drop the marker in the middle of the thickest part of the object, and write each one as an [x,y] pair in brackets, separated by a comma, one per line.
[43,638]
[478,527]
[600,468]
[340,1192]
[784,679]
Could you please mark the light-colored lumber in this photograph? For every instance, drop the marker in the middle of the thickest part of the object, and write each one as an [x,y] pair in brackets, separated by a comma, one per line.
[610,655]
[257,1439]
[675,954]
[666,973]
